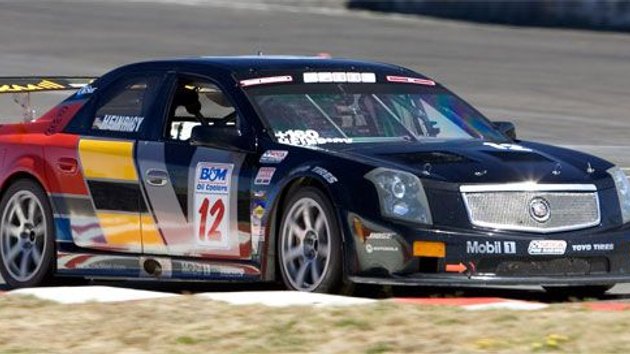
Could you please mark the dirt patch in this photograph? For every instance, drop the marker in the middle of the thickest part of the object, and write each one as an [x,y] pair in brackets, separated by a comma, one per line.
[188,325]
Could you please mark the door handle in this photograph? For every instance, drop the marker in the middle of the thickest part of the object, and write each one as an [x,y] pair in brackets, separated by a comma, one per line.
[67,165]
[156,178]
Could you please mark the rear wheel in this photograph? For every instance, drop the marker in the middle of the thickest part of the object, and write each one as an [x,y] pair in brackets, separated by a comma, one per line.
[26,235]
[309,247]
[579,291]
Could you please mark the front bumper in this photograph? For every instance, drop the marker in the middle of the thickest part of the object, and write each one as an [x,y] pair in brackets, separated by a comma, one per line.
[385,255]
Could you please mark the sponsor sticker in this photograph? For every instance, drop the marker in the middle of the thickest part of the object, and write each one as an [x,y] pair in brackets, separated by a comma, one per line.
[381,236]
[328,77]
[491,247]
[209,269]
[587,247]
[264,175]
[273,156]
[86,90]
[307,138]
[115,123]
[212,201]
[329,177]
[547,247]
[369,248]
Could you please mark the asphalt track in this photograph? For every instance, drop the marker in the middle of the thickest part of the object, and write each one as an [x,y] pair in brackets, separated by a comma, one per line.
[559,86]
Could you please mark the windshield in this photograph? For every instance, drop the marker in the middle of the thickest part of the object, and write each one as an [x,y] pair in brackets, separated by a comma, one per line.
[355,113]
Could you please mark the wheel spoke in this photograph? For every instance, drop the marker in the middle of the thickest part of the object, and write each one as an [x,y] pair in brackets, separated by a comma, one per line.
[39,229]
[30,214]
[301,274]
[323,250]
[293,253]
[320,224]
[36,255]
[13,231]
[315,271]
[13,252]
[297,230]
[17,209]
[308,221]
[24,265]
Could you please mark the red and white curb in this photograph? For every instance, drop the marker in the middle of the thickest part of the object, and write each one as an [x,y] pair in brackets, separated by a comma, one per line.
[285,298]
[108,294]
[82,294]
[476,303]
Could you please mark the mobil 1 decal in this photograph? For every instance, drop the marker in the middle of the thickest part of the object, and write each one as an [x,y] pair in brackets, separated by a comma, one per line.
[212,204]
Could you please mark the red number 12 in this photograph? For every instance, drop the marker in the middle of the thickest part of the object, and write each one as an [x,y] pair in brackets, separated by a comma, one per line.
[217,210]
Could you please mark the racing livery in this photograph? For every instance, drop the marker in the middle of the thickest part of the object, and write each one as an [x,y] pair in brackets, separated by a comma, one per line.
[317,172]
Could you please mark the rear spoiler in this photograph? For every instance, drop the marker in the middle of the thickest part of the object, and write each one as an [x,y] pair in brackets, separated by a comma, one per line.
[22,87]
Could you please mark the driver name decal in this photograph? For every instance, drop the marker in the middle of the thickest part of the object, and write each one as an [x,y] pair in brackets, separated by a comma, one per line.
[115,123]
[211,204]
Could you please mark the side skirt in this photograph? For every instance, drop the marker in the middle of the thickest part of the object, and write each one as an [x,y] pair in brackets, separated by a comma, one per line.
[95,264]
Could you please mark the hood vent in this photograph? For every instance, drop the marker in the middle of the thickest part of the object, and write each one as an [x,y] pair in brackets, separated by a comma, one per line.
[518,156]
[433,157]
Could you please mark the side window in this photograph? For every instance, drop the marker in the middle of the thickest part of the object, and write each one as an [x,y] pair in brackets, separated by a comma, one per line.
[196,102]
[122,109]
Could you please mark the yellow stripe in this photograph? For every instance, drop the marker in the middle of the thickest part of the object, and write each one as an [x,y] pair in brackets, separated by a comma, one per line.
[106,159]
[120,229]
[150,233]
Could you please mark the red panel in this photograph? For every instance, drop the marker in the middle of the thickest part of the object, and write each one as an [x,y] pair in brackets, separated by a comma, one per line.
[60,153]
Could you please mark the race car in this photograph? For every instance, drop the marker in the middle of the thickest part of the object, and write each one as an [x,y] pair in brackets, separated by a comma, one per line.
[319,173]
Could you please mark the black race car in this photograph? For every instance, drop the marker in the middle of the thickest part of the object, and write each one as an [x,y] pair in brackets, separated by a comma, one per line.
[318,172]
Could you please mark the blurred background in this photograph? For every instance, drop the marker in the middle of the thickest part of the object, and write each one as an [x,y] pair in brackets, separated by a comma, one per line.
[560,70]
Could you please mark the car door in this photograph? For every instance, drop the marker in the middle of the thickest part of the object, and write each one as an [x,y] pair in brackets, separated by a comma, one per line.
[109,218]
[193,191]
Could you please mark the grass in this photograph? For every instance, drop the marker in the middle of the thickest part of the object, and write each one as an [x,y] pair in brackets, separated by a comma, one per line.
[189,325]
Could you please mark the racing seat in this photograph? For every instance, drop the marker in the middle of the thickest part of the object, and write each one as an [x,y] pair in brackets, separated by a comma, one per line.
[189,99]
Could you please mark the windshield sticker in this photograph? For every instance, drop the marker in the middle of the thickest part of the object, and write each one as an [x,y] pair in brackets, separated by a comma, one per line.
[128,124]
[266,80]
[264,175]
[273,156]
[410,80]
[327,77]
[307,138]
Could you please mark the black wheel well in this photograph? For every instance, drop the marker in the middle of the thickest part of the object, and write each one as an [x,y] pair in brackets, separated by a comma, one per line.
[272,269]
[16,177]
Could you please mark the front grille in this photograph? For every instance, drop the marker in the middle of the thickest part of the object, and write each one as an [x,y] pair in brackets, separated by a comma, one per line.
[512,209]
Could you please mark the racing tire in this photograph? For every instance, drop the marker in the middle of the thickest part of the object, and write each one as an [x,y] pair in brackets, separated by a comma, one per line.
[595,291]
[310,245]
[27,250]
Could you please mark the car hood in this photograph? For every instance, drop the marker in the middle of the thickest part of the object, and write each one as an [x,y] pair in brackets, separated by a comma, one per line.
[475,162]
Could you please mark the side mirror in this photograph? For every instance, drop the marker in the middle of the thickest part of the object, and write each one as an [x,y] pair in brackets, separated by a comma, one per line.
[224,138]
[507,128]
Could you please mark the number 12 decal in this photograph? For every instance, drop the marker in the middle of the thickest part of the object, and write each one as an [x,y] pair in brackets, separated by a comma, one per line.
[217,211]
[211,211]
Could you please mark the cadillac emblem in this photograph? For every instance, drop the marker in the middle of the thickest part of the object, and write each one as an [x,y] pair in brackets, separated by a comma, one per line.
[539,209]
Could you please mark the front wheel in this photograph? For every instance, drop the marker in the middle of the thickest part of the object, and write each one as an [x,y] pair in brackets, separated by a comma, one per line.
[26,235]
[309,247]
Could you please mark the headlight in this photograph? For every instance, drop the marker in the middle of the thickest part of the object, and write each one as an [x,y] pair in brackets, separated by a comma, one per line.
[401,195]
[623,191]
